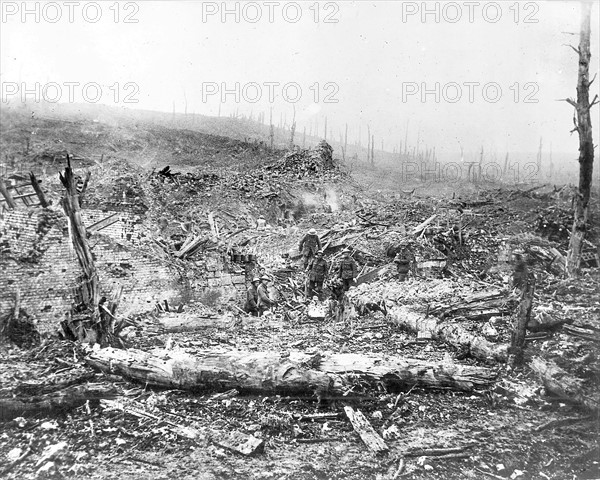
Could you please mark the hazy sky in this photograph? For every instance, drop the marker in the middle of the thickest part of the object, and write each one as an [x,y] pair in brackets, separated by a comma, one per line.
[461,73]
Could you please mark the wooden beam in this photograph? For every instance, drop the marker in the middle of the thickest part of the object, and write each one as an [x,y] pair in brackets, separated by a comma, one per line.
[7,195]
[366,431]
[38,190]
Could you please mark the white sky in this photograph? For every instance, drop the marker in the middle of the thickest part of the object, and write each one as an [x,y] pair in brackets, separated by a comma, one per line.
[371,54]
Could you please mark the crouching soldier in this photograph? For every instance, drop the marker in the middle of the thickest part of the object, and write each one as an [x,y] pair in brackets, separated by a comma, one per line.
[348,270]
[309,245]
[317,271]
[264,302]
[251,306]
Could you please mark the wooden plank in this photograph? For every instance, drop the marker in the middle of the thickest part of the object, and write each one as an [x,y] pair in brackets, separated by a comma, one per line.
[105,222]
[371,275]
[365,430]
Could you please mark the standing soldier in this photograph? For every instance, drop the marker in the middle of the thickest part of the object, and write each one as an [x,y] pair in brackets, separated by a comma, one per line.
[348,270]
[309,245]
[317,271]
[265,302]
[403,261]
[251,306]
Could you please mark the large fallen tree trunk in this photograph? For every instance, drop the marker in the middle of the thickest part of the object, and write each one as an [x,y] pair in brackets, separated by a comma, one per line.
[449,332]
[54,402]
[270,372]
[562,384]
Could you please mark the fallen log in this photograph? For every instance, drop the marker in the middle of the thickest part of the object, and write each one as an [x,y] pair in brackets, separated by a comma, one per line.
[366,431]
[59,401]
[585,333]
[562,384]
[436,452]
[219,371]
[296,372]
[399,373]
[449,332]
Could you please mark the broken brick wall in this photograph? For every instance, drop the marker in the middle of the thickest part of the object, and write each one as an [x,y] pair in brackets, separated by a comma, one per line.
[37,259]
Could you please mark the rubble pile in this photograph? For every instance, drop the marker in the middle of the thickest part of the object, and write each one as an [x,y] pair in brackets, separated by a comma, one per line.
[306,162]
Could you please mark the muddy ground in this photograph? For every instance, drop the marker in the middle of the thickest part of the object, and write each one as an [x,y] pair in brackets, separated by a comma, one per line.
[513,430]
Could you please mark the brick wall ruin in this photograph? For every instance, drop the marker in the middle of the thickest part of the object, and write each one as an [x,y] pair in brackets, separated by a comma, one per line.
[37,258]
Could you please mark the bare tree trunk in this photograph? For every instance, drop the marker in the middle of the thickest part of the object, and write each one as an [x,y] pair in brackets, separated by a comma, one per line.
[583,126]
[96,323]
[368,144]
[373,150]
[271,129]
[269,372]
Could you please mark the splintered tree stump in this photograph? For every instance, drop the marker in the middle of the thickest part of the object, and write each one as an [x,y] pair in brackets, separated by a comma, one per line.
[523,316]
[296,372]
[366,431]
[562,384]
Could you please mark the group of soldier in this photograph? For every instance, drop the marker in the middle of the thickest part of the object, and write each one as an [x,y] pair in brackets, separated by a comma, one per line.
[317,269]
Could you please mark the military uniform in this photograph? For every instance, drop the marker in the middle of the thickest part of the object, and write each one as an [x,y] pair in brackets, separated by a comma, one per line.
[264,301]
[251,305]
[402,261]
[317,271]
[309,246]
[347,272]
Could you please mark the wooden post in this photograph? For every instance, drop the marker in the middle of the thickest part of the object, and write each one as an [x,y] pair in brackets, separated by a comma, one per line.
[38,190]
[520,324]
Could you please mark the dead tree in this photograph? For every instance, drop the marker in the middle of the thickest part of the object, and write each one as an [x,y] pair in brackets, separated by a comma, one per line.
[271,129]
[373,150]
[583,126]
[93,322]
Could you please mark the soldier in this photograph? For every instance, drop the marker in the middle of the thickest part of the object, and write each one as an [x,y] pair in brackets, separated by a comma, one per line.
[251,306]
[403,262]
[317,271]
[348,270]
[521,271]
[265,302]
[309,245]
